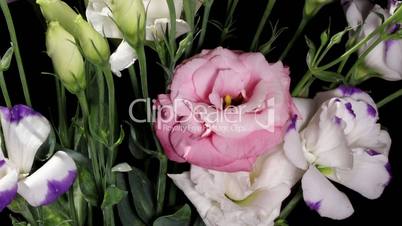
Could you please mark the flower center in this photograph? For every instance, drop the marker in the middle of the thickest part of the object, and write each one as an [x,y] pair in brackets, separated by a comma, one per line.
[229,101]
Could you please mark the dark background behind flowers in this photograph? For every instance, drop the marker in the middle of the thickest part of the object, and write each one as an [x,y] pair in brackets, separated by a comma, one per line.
[30,30]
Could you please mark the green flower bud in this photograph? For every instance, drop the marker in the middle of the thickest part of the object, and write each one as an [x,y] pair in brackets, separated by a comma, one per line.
[130,17]
[94,47]
[66,57]
[311,7]
[56,10]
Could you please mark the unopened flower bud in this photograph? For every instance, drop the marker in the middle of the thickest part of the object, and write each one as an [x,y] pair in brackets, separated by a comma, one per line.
[311,7]
[93,45]
[66,57]
[130,17]
[56,10]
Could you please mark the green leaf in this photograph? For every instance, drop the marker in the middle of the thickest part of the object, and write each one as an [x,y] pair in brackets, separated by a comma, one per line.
[127,214]
[181,218]
[328,76]
[311,52]
[183,45]
[16,222]
[20,206]
[132,145]
[121,167]
[113,195]
[199,222]
[141,191]
[137,150]
[46,150]
[53,215]
[6,59]
[86,179]
[81,205]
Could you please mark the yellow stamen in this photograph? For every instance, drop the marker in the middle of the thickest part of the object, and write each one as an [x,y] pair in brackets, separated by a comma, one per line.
[228,101]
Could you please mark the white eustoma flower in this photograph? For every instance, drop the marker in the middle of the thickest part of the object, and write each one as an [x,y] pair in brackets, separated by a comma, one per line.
[341,142]
[24,132]
[240,198]
[100,16]
[386,57]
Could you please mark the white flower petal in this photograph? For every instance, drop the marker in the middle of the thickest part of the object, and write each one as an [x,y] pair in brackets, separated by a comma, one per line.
[185,184]
[325,140]
[369,175]
[122,58]
[8,183]
[50,181]
[100,16]
[24,132]
[320,195]
[157,30]
[274,169]
[306,108]
[157,9]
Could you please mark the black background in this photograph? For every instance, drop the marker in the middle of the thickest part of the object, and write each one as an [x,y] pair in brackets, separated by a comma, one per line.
[383,211]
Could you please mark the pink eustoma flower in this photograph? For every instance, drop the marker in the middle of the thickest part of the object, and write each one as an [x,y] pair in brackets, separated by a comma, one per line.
[224,110]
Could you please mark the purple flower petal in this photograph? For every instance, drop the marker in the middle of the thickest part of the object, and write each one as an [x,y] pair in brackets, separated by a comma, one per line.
[314,205]
[58,188]
[388,168]
[372,152]
[349,90]
[2,162]
[17,113]
[292,124]
[350,109]
[7,196]
[337,120]
[371,110]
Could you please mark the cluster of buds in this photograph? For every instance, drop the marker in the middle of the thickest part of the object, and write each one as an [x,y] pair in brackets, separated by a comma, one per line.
[67,37]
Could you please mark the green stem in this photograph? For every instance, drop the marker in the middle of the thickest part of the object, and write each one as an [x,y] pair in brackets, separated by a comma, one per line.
[298,32]
[389,98]
[134,81]
[143,70]
[61,108]
[100,124]
[261,25]
[13,36]
[111,103]
[84,104]
[4,90]
[301,85]
[227,28]
[205,18]
[108,216]
[291,205]
[189,13]
[357,46]
[72,210]
[92,150]
[161,184]
[172,30]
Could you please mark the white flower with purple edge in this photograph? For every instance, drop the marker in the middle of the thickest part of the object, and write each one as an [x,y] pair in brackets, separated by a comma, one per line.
[100,16]
[385,58]
[24,132]
[337,138]
[240,198]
